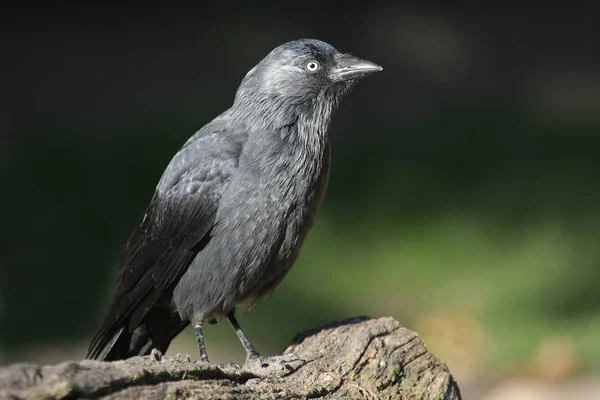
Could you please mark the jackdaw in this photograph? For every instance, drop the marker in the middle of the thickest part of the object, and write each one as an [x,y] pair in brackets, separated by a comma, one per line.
[233,206]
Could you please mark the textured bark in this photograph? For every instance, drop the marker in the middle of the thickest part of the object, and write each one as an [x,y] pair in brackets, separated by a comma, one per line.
[359,358]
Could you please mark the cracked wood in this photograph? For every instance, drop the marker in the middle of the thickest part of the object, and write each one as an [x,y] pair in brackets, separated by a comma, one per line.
[358,358]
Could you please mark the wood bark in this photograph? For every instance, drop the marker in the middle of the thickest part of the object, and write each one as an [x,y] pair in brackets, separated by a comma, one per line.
[358,358]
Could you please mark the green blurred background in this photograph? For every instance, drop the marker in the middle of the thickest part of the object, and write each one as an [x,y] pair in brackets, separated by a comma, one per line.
[463,197]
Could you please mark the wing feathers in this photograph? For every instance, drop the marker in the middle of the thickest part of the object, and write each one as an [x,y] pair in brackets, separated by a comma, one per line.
[155,256]
[174,229]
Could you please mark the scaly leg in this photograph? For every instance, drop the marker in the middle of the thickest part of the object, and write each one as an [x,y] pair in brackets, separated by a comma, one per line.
[261,364]
[200,338]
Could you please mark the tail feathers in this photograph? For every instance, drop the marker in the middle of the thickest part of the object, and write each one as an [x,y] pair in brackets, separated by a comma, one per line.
[124,345]
[157,330]
[106,351]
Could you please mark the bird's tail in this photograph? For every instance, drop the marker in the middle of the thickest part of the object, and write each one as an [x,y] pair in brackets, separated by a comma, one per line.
[156,331]
[116,349]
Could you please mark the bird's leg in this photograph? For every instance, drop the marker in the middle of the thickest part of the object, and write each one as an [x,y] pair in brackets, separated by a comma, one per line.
[200,338]
[263,365]
[250,350]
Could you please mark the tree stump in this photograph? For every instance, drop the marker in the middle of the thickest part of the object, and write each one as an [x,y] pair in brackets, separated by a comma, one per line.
[358,358]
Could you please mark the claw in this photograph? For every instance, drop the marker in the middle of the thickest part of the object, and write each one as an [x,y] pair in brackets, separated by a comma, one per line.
[183,358]
[229,365]
[155,355]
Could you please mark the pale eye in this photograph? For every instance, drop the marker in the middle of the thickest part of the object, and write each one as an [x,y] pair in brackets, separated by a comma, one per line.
[312,66]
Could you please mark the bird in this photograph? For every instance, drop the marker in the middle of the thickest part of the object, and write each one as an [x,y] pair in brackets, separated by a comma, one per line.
[232,209]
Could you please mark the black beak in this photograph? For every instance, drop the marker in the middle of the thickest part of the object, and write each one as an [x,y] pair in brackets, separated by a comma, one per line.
[350,67]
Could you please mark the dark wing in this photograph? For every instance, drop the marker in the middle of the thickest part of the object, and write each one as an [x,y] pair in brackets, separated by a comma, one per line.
[174,229]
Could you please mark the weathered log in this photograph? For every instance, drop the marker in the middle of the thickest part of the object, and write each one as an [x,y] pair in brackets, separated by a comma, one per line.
[359,358]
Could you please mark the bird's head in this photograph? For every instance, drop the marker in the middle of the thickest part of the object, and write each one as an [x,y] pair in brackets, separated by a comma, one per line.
[298,73]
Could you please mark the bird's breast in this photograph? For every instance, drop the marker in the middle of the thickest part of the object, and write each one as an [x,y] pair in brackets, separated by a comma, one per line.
[294,195]
[300,190]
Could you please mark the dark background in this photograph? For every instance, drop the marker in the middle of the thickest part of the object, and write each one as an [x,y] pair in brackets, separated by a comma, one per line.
[463,196]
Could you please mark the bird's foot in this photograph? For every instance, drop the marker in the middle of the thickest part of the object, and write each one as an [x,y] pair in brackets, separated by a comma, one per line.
[156,355]
[280,365]
[182,358]
[229,366]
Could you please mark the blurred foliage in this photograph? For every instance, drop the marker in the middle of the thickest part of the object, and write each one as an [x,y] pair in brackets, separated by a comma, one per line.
[481,209]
